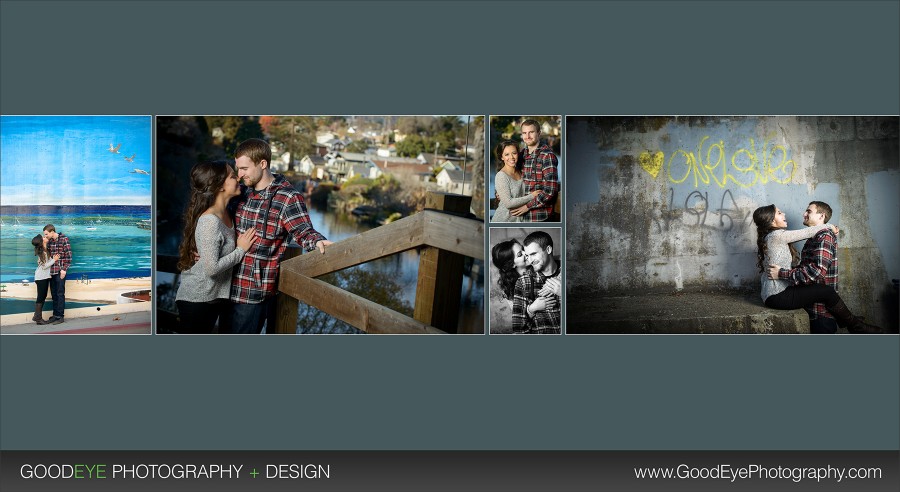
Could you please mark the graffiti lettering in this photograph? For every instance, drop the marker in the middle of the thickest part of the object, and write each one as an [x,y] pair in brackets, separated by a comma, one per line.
[733,218]
[747,167]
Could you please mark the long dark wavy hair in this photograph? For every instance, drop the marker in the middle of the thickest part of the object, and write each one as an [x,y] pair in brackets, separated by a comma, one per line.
[763,218]
[207,179]
[39,250]
[503,258]
[498,151]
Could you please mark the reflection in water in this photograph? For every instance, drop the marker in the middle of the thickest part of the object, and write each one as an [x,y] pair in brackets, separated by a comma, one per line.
[389,281]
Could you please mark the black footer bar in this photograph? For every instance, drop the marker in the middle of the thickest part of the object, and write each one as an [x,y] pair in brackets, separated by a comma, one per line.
[439,471]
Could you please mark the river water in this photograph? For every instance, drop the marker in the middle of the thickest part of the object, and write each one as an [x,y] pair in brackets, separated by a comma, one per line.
[403,267]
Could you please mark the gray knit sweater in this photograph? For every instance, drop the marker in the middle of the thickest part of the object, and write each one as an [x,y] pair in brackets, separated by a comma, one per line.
[511,194]
[210,278]
[778,253]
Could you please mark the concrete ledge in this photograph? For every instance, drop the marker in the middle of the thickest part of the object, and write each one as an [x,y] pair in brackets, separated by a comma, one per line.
[719,311]
[21,322]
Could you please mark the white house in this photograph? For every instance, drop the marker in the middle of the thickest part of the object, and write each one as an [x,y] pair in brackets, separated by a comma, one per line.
[308,164]
[389,151]
[340,165]
[445,164]
[444,161]
[324,137]
[402,166]
[452,182]
[367,170]
[336,145]
[281,162]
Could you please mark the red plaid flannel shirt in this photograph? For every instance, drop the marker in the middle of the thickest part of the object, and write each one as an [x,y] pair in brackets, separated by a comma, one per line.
[540,174]
[818,265]
[256,276]
[61,246]
[523,295]
[526,290]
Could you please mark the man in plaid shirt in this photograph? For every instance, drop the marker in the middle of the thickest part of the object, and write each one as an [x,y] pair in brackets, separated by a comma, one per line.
[536,299]
[271,205]
[818,265]
[540,175]
[58,243]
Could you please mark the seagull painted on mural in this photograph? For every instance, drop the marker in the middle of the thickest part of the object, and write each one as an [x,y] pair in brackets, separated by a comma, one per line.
[130,159]
[114,150]
[140,171]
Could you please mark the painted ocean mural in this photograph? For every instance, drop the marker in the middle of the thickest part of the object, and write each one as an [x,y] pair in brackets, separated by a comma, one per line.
[89,176]
[107,241]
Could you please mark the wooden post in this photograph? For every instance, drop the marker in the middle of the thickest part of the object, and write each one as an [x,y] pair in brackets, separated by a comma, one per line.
[287,307]
[440,272]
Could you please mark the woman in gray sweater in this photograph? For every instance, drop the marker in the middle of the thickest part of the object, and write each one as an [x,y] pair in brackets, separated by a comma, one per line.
[41,275]
[773,248]
[509,182]
[202,297]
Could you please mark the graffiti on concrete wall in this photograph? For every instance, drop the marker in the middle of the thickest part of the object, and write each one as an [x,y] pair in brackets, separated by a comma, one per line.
[713,164]
[729,217]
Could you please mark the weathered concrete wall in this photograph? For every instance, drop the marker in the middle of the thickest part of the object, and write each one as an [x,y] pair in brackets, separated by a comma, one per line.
[654,201]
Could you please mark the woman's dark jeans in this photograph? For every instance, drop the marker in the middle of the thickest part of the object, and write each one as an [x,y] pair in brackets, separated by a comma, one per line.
[200,317]
[800,296]
[43,286]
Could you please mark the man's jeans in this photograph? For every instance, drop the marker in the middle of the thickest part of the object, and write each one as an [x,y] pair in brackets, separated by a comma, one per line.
[58,292]
[249,318]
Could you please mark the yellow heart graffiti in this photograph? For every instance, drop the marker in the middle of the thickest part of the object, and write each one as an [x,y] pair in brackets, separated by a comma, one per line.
[652,163]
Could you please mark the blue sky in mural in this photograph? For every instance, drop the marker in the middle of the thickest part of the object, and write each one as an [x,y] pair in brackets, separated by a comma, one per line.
[75,160]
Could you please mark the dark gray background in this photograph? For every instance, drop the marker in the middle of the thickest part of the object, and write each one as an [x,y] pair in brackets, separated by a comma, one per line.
[453,393]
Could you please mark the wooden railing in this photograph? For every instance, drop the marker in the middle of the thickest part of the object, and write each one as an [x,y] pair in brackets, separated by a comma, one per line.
[444,235]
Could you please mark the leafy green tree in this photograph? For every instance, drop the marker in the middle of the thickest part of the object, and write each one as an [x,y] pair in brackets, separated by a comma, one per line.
[509,125]
[451,124]
[415,125]
[411,146]
[235,129]
[447,141]
[360,146]
[249,129]
[296,134]
[333,123]
[502,125]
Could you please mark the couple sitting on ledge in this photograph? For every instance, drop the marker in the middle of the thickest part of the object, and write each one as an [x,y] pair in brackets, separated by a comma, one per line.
[808,280]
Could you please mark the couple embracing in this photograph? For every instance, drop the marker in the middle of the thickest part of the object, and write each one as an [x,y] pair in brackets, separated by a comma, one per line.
[54,255]
[527,181]
[808,280]
[234,237]
[530,280]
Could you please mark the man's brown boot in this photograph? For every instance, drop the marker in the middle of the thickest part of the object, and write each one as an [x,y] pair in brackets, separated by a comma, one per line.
[853,323]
